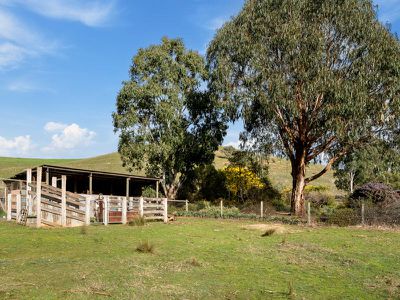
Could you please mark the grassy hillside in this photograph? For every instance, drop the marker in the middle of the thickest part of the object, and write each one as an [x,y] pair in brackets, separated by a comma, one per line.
[279,173]
[279,169]
[10,166]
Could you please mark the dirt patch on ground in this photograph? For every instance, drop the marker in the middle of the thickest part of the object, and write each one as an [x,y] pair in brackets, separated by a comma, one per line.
[279,228]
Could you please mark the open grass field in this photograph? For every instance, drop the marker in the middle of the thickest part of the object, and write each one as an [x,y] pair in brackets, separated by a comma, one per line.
[199,259]
[279,169]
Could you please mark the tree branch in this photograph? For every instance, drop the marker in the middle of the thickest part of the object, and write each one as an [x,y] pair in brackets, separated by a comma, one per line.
[321,148]
[327,167]
[285,127]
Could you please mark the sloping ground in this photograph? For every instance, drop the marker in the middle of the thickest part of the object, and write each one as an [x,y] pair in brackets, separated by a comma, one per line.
[279,169]
[106,163]
[10,166]
[279,173]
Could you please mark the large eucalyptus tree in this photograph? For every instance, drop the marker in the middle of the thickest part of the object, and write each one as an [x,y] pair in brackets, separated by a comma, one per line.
[310,77]
[166,122]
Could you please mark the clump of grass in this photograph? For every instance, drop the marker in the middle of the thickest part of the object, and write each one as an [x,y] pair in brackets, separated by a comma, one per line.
[194,262]
[291,293]
[145,247]
[84,230]
[269,232]
[139,221]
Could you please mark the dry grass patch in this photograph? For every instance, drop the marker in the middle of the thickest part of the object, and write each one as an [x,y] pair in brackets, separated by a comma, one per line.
[270,228]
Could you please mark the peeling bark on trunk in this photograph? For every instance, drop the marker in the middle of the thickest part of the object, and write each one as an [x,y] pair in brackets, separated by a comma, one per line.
[298,183]
[171,190]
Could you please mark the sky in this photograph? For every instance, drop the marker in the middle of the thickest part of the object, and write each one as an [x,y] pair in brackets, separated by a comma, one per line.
[62,63]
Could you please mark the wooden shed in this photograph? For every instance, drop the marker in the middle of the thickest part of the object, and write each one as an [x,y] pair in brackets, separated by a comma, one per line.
[62,196]
[81,181]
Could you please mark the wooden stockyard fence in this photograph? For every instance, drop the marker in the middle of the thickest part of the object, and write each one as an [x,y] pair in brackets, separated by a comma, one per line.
[38,204]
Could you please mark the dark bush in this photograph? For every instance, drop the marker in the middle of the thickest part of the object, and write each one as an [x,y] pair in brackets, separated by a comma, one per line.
[379,193]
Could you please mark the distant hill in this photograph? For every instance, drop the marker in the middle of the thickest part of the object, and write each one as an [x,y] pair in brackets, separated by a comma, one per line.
[279,169]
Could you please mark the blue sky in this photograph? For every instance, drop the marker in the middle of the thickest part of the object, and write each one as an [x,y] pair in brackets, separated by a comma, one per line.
[62,63]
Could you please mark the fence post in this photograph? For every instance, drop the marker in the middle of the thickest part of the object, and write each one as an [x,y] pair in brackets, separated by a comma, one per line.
[54,181]
[87,210]
[262,209]
[187,205]
[18,206]
[309,213]
[29,202]
[39,197]
[165,202]
[106,213]
[141,213]
[362,214]
[222,208]
[63,200]
[9,207]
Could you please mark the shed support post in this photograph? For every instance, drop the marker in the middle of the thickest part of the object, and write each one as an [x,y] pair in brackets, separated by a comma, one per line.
[125,203]
[18,207]
[39,197]
[141,212]
[29,202]
[9,207]
[63,200]
[47,176]
[106,213]
[157,187]
[165,202]
[91,184]
[5,199]
[222,208]
[54,181]
[87,211]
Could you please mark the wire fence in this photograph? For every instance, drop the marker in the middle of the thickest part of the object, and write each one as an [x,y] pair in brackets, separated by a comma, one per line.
[363,214]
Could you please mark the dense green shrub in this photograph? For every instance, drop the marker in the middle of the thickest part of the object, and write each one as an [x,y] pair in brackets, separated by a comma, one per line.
[149,192]
[344,217]
[280,204]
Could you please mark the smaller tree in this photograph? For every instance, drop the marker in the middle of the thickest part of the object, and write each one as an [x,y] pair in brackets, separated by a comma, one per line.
[377,162]
[166,122]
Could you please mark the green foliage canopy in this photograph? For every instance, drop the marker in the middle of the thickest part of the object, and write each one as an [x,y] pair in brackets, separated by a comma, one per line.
[309,77]
[166,121]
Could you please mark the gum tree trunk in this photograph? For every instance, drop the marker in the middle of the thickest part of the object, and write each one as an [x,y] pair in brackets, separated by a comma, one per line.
[298,183]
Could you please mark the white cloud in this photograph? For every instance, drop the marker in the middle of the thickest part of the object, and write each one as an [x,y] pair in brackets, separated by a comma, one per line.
[11,55]
[68,137]
[19,42]
[90,13]
[26,86]
[54,126]
[19,145]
